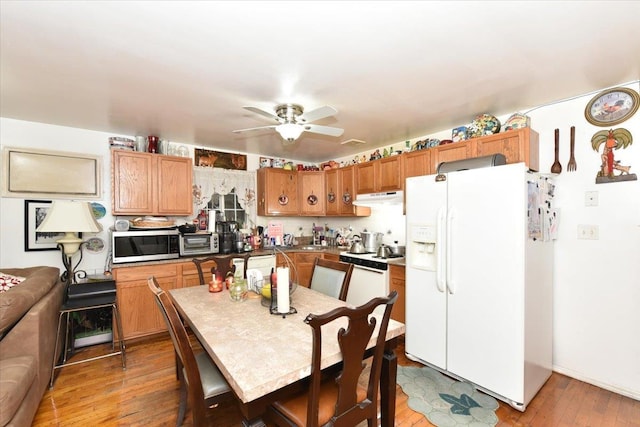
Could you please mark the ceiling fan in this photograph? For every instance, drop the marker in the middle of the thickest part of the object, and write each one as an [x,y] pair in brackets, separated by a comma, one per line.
[291,121]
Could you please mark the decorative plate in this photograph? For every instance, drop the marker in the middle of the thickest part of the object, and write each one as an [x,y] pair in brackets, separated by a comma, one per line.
[283,199]
[484,124]
[331,197]
[346,198]
[517,121]
[95,245]
[459,134]
[99,211]
[312,199]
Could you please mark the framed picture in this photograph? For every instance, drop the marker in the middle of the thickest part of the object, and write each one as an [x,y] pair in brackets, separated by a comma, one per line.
[217,159]
[30,173]
[34,213]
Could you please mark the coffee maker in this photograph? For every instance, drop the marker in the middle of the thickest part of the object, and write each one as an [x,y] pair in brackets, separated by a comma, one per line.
[227,232]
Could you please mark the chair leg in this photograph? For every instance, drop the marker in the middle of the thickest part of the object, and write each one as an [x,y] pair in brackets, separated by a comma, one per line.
[56,356]
[116,314]
[182,409]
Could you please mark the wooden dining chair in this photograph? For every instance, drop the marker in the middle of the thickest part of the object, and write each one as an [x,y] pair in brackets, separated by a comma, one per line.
[340,400]
[331,278]
[201,383]
[224,264]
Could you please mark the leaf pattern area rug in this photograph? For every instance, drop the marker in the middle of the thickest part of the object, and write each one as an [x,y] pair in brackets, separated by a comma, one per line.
[444,401]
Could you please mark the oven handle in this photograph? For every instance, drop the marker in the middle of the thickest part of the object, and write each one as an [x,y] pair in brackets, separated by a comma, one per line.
[373,270]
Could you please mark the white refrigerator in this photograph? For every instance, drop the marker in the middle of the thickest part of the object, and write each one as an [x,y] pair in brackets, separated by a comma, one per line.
[479,277]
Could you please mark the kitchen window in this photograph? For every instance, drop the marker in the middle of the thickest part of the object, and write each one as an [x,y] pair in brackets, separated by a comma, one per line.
[227,206]
[231,192]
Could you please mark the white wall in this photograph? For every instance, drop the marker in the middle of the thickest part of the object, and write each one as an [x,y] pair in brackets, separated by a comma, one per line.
[596,282]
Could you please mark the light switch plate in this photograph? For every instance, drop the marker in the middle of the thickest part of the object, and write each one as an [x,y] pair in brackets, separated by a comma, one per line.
[591,198]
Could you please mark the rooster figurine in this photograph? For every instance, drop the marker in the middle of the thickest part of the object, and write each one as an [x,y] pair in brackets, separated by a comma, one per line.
[612,139]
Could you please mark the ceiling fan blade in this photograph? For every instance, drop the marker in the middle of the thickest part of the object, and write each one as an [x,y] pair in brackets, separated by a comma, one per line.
[252,129]
[317,114]
[324,130]
[263,113]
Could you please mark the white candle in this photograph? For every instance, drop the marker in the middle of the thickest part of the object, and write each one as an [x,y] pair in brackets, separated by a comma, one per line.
[282,274]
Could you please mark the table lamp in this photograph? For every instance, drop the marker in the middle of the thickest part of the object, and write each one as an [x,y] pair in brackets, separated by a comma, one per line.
[70,217]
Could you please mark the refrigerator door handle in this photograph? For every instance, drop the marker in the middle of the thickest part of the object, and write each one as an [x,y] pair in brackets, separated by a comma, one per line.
[449,262]
[440,258]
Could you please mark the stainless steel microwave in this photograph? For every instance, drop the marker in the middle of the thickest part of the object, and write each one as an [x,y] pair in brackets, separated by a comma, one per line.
[144,245]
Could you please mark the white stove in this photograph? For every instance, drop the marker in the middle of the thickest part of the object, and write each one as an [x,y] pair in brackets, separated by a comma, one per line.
[368,259]
[370,277]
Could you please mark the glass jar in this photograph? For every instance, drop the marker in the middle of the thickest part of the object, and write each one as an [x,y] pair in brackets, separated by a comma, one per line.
[238,290]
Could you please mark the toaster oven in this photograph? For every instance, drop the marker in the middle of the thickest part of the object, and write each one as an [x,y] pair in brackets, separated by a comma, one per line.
[202,243]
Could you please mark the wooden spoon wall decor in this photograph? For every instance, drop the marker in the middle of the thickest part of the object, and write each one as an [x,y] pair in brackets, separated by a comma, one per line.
[556,167]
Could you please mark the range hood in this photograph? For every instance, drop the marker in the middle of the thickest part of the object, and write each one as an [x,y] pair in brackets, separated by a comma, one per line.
[378,199]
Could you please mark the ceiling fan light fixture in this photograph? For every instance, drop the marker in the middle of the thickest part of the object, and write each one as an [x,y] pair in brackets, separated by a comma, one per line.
[290,131]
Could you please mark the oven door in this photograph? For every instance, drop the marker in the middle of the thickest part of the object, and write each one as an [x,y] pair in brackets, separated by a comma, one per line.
[367,283]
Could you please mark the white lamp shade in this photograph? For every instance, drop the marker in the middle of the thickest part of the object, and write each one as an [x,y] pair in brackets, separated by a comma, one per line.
[68,216]
[290,131]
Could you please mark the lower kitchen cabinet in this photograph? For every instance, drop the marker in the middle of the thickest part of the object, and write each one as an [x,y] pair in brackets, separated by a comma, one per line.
[397,283]
[138,310]
[304,266]
[303,262]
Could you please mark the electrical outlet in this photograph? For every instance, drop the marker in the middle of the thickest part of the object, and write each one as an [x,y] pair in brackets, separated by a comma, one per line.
[588,232]
[591,198]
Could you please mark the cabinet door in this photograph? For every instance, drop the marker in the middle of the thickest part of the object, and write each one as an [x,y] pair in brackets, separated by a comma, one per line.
[517,146]
[346,183]
[311,193]
[174,185]
[331,256]
[332,190]
[139,312]
[277,192]
[132,183]
[366,177]
[304,266]
[417,163]
[390,172]
[450,152]
[397,283]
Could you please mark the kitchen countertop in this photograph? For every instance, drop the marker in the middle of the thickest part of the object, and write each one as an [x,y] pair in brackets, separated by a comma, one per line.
[335,250]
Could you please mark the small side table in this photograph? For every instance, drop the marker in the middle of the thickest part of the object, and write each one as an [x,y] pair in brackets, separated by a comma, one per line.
[88,294]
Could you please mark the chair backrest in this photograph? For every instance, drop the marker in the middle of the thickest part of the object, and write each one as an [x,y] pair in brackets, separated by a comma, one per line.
[349,408]
[183,349]
[223,264]
[331,278]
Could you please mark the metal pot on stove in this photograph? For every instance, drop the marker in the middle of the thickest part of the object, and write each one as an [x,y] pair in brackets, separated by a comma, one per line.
[371,240]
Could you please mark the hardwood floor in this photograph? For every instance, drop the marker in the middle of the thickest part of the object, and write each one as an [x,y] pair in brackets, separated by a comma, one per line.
[100,393]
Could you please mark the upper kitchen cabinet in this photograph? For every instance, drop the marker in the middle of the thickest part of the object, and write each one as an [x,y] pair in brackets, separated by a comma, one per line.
[311,193]
[519,145]
[150,184]
[340,185]
[417,163]
[277,192]
[451,152]
[379,175]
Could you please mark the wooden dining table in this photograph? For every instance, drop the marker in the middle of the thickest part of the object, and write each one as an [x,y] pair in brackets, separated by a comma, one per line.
[267,356]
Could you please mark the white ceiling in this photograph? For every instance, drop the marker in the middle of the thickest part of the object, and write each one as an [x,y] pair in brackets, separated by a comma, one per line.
[393,70]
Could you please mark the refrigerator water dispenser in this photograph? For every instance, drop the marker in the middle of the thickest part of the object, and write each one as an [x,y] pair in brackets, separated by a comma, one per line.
[422,242]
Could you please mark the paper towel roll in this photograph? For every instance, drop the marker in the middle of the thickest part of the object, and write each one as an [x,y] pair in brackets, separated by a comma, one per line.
[212,221]
[283,289]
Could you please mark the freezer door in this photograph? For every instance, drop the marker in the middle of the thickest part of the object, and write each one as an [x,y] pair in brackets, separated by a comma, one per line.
[426,302]
[486,233]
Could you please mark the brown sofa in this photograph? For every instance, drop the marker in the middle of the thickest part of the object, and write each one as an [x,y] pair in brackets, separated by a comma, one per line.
[28,322]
